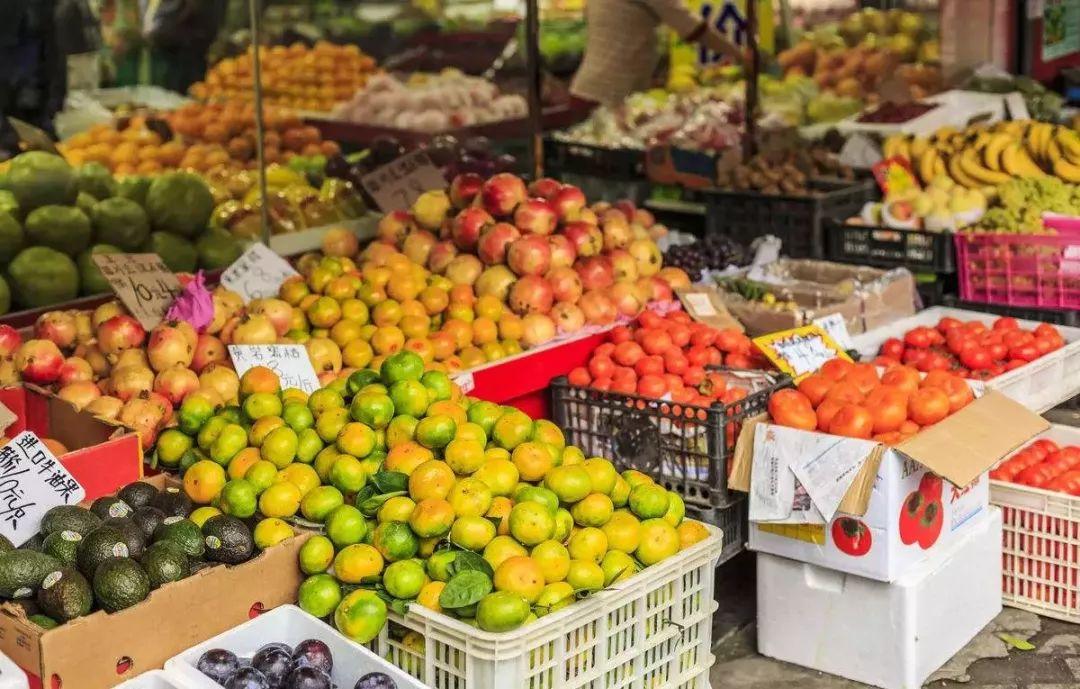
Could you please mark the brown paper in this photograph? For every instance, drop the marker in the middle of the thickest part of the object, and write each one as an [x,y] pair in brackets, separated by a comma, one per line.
[396,185]
[705,305]
[143,282]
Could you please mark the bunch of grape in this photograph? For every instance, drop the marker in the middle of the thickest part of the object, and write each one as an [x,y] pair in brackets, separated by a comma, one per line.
[715,252]
[1021,202]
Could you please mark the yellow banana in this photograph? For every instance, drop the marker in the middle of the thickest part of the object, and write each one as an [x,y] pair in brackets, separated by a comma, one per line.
[928,165]
[889,146]
[1053,152]
[958,175]
[939,168]
[991,155]
[1016,161]
[1069,142]
[1067,171]
[919,147]
[982,175]
[1046,131]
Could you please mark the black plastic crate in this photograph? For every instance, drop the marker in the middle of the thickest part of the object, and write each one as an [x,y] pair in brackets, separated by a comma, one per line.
[729,518]
[685,448]
[889,247]
[1053,316]
[798,221]
[561,157]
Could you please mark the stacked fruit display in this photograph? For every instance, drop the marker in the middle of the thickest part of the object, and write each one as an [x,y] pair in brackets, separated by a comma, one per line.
[669,355]
[294,76]
[1043,464]
[856,401]
[715,252]
[943,206]
[971,349]
[556,262]
[460,505]
[1020,204]
[788,172]
[280,666]
[54,217]
[111,556]
[991,154]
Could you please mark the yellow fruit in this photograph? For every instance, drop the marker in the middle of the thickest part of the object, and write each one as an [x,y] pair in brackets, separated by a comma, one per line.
[203,481]
[520,575]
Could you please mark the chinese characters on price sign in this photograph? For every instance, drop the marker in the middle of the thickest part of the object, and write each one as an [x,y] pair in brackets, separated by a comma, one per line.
[258,273]
[801,351]
[291,363]
[396,185]
[143,282]
[32,481]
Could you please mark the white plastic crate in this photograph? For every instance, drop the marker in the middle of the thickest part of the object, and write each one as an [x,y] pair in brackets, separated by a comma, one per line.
[155,679]
[886,634]
[11,675]
[288,624]
[1040,543]
[652,630]
[1040,385]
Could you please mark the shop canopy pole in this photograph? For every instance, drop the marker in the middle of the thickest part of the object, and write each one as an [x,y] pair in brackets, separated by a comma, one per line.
[754,66]
[255,7]
[532,69]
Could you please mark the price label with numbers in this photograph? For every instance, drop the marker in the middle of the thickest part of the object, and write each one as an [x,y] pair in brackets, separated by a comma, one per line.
[396,185]
[143,282]
[836,327]
[32,482]
[258,273]
[801,351]
[289,361]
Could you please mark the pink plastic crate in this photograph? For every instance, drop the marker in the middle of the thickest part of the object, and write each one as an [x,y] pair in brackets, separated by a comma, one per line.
[1041,271]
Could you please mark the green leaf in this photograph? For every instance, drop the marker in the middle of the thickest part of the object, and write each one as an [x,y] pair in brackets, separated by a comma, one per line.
[399,606]
[1017,643]
[389,481]
[468,561]
[465,589]
[371,506]
[365,493]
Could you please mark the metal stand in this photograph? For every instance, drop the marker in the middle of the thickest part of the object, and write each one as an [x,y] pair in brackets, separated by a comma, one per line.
[754,67]
[532,69]
[255,8]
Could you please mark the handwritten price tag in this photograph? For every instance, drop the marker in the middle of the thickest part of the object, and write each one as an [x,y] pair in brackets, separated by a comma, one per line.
[32,481]
[258,273]
[396,185]
[835,326]
[143,282]
[290,362]
[801,351]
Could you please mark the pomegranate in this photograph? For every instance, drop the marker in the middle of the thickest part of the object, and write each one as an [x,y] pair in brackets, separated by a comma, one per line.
[440,257]
[393,227]
[538,329]
[339,241]
[120,333]
[127,381]
[84,327]
[188,332]
[324,354]
[675,277]
[623,265]
[468,225]
[169,348]
[9,341]
[586,238]
[537,216]
[530,294]
[464,269]
[647,255]
[278,311]
[656,289]
[502,193]
[545,188]
[209,350]
[163,404]
[568,202]
[253,329]
[628,298]
[99,364]
[143,416]
[105,312]
[595,272]
[221,379]
[565,284]
[494,241]
[589,217]
[598,308]
[79,393]
[417,246]
[105,407]
[57,327]
[39,361]
[226,305]
[495,281]
[568,317]
[616,230]
[563,252]
[130,357]
[626,207]
[174,384]
[643,217]
[464,188]
[529,255]
[75,370]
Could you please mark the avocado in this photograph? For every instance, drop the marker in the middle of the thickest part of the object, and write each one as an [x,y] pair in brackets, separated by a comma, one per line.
[63,545]
[134,537]
[228,540]
[5,544]
[110,507]
[101,544]
[44,621]
[173,502]
[36,543]
[165,561]
[138,494]
[21,572]
[120,583]
[200,565]
[148,518]
[184,533]
[65,594]
[69,518]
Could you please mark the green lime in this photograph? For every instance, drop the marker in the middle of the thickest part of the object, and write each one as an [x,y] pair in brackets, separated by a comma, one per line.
[320,502]
[319,595]
[372,408]
[171,446]
[308,445]
[260,404]
[409,397]
[316,555]
[402,365]
[298,416]
[238,498]
[261,474]
[346,526]
[438,384]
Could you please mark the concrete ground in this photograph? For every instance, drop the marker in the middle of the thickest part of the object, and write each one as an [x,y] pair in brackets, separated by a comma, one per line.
[986,662]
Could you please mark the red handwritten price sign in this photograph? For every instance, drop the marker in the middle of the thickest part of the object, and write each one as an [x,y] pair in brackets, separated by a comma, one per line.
[143,282]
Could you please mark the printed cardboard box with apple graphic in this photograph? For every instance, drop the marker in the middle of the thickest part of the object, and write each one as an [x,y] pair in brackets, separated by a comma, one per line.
[888,507]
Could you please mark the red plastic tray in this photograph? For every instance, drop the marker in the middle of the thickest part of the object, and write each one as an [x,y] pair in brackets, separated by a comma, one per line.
[1041,271]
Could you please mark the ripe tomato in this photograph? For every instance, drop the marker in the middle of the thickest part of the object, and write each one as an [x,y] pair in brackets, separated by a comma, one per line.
[621,333]
[1006,323]
[933,361]
[1024,352]
[959,393]
[673,381]
[845,392]
[893,348]
[1046,446]
[703,337]
[864,377]
[1035,476]
[622,373]
[647,365]
[651,386]
[787,397]
[738,360]
[625,386]
[977,357]
[1043,345]
[714,384]
[948,323]
[888,408]
[651,319]
[825,413]
[579,377]
[601,367]
[602,384]
[1017,338]
[733,395]
[680,334]
[936,379]
[1046,330]
[903,377]
[998,351]
[606,349]
[836,368]
[851,536]
[656,341]
[852,421]
[815,387]
[795,416]
[912,356]
[693,376]
[697,356]
[919,337]
[715,358]
[675,362]
[628,353]
[928,405]
[974,327]
[909,427]
[729,340]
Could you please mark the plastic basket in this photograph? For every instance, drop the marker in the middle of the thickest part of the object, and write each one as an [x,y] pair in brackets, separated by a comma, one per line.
[288,624]
[1069,318]
[1027,270]
[597,161]
[730,519]
[1040,543]
[888,247]
[652,630]
[687,449]
[797,220]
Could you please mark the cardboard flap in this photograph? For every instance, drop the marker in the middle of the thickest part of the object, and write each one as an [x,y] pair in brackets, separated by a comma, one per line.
[742,460]
[705,304]
[972,440]
[857,499]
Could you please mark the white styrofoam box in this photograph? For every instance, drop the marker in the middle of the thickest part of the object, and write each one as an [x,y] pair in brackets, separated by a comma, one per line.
[1039,385]
[288,624]
[890,635]
[154,679]
[651,630]
[1040,543]
[11,675]
[955,108]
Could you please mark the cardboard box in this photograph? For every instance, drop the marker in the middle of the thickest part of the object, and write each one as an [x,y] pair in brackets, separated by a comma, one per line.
[103,457]
[867,298]
[101,650]
[869,531]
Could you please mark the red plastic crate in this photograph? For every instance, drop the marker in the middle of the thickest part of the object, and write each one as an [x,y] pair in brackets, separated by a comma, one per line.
[1041,271]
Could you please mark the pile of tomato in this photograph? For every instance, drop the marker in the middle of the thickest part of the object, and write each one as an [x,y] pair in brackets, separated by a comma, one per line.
[971,349]
[669,357]
[1043,464]
[853,400]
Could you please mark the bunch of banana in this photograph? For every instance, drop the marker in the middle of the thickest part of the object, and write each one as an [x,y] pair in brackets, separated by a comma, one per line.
[985,155]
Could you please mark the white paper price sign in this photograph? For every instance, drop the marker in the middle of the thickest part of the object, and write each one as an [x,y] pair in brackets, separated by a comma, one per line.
[801,351]
[289,361]
[258,273]
[836,327]
[465,381]
[32,481]
[143,282]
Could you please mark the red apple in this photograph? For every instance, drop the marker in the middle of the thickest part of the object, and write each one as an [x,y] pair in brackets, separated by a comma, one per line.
[565,284]
[586,238]
[468,225]
[595,272]
[529,255]
[536,216]
[545,188]
[563,252]
[502,193]
[464,189]
[494,240]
